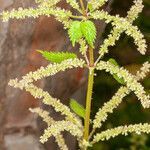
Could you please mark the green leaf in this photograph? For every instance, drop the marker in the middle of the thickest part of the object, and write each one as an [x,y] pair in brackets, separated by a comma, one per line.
[120,80]
[75,32]
[113,61]
[89,31]
[77,108]
[90,7]
[57,57]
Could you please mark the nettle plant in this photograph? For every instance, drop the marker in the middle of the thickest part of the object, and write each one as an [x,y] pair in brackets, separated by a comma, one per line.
[82,30]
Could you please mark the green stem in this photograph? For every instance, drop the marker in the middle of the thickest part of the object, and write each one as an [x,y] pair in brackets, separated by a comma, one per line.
[77,17]
[89,94]
[92,132]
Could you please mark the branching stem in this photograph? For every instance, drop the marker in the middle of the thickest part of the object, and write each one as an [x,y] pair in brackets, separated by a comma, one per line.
[92,132]
[77,17]
[89,94]
[82,7]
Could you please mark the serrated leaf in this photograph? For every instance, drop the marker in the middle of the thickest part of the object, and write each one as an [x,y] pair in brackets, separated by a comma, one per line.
[57,57]
[89,31]
[77,108]
[120,80]
[75,32]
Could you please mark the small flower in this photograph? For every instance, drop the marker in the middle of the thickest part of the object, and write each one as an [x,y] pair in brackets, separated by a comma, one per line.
[124,130]
[46,118]
[58,127]
[51,69]
[130,80]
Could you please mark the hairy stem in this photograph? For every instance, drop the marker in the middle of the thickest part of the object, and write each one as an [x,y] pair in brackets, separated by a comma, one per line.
[89,94]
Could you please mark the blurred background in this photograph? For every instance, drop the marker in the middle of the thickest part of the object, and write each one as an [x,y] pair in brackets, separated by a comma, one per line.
[19,40]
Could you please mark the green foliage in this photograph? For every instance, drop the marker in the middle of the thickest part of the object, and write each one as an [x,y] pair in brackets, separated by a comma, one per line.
[89,31]
[90,7]
[57,57]
[75,32]
[79,29]
[113,61]
[77,108]
[120,80]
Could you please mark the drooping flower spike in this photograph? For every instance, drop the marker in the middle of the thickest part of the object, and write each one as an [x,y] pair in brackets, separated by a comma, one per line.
[48,8]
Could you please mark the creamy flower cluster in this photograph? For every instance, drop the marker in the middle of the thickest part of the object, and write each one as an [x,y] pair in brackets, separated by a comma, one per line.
[45,7]
[58,127]
[122,25]
[46,118]
[74,4]
[83,46]
[50,70]
[97,3]
[141,74]
[135,10]
[44,115]
[50,3]
[124,130]
[61,15]
[47,3]
[132,31]
[130,80]
[108,107]
[26,83]
[48,100]
[84,144]
[110,41]
[48,7]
